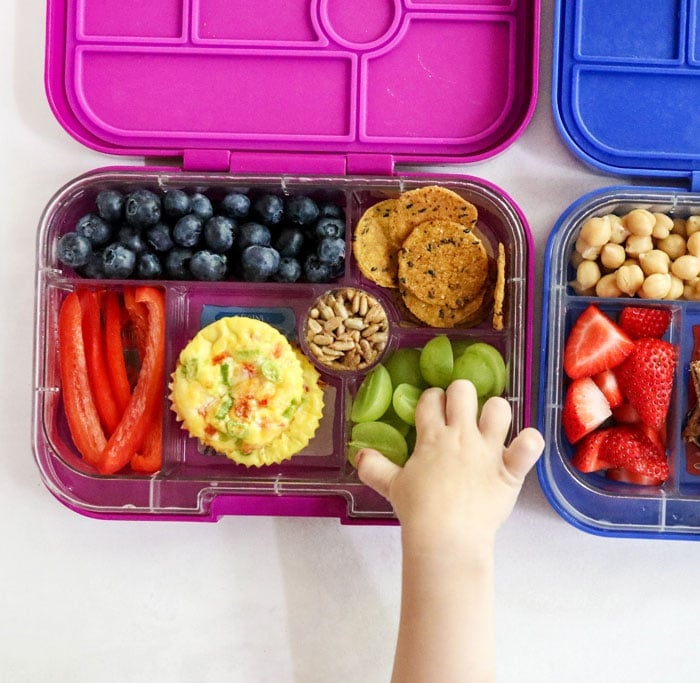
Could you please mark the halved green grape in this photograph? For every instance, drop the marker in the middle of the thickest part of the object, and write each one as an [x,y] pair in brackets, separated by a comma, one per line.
[373,397]
[404,366]
[405,400]
[493,356]
[391,418]
[437,361]
[475,368]
[380,436]
[459,346]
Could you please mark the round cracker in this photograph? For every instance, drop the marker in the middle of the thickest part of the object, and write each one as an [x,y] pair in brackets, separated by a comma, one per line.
[442,316]
[428,203]
[443,263]
[373,248]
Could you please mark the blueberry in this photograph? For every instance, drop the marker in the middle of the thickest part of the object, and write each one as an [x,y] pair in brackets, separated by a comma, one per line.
[94,268]
[206,265]
[329,227]
[290,242]
[270,209]
[110,205]
[142,208]
[177,263]
[259,263]
[176,204]
[301,210]
[73,250]
[219,232]
[335,270]
[131,238]
[118,261]
[201,206]
[235,205]
[159,237]
[95,228]
[148,266]
[253,233]
[289,270]
[188,230]
[331,210]
[315,270]
[331,250]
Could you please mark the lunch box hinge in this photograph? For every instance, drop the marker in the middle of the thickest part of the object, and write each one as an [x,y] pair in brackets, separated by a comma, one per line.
[695,181]
[206,160]
[283,163]
[370,164]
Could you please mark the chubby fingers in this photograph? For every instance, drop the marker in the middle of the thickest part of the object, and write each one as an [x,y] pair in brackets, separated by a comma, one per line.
[523,452]
[376,471]
[494,423]
[430,410]
[461,403]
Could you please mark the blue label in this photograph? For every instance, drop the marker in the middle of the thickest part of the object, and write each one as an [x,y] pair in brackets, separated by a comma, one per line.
[283,319]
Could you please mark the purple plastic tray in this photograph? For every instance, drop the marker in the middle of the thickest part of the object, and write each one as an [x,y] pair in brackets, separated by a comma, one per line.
[319,480]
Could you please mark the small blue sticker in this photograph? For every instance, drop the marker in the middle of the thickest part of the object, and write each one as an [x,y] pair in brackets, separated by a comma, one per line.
[283,319]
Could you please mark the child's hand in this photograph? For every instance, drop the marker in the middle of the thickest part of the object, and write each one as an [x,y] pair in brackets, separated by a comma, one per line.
[461,482]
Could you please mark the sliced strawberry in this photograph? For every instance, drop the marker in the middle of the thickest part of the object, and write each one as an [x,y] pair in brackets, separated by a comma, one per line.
[644,322]
[594,344]
[585,408]
[623,475]
[626,413]
[646,379]
[608,384]
[628,447]
[587,457]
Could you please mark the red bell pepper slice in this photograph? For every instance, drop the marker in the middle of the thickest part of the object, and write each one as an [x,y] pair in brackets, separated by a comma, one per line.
[81,411]
[90,302]
[150,458]
[147,396]
[114,347]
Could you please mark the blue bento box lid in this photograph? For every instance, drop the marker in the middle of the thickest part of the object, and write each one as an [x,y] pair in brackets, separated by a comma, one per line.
[626,85]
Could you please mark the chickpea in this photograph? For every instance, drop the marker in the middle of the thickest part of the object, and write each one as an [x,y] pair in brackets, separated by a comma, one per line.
[612,255]
[596,231]
[662,226]
[579,290]
[638,244]
[686,267]
[607,287]
[691,290]
[674,245]
[693,244]
[586,250]
[629,279]
[576,259]
[677,287]
[654,261]
[656,286]
[618,232]
[692,225]
[640,222]
[679,227]
[587,274]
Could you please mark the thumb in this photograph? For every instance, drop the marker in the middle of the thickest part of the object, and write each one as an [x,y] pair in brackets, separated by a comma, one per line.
[376,471]
[523,452]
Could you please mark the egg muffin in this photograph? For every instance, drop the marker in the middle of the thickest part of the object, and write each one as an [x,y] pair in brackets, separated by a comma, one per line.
[238,386]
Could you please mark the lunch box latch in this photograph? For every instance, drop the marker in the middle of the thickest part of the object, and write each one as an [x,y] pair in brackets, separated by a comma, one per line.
[695,181]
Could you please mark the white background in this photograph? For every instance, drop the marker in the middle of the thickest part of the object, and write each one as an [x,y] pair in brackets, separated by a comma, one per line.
[265,599]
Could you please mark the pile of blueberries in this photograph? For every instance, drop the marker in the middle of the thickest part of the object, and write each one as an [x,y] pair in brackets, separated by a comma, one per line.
[185,236]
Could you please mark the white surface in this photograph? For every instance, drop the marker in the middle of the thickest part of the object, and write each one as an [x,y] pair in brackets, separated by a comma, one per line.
[260,599]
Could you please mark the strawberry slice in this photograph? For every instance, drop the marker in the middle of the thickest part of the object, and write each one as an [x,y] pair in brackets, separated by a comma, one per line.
[594,344]
[644,322]
[608,384]
[625,413]
[587,457]
[628,447]
[585,408]
[646,379]
[623,475]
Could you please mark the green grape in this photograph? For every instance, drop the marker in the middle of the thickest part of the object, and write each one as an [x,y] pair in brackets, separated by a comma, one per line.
[391,418]
[380,436]
[411,440]
[474,367]
[493,356]
[436,361]
[459,346]
[404,366]
[404,402]
[373,397]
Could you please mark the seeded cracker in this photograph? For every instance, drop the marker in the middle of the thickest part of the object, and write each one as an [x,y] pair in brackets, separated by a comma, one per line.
[374,251]
[500,289]
[428,203]
[443,316]
[443,263]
